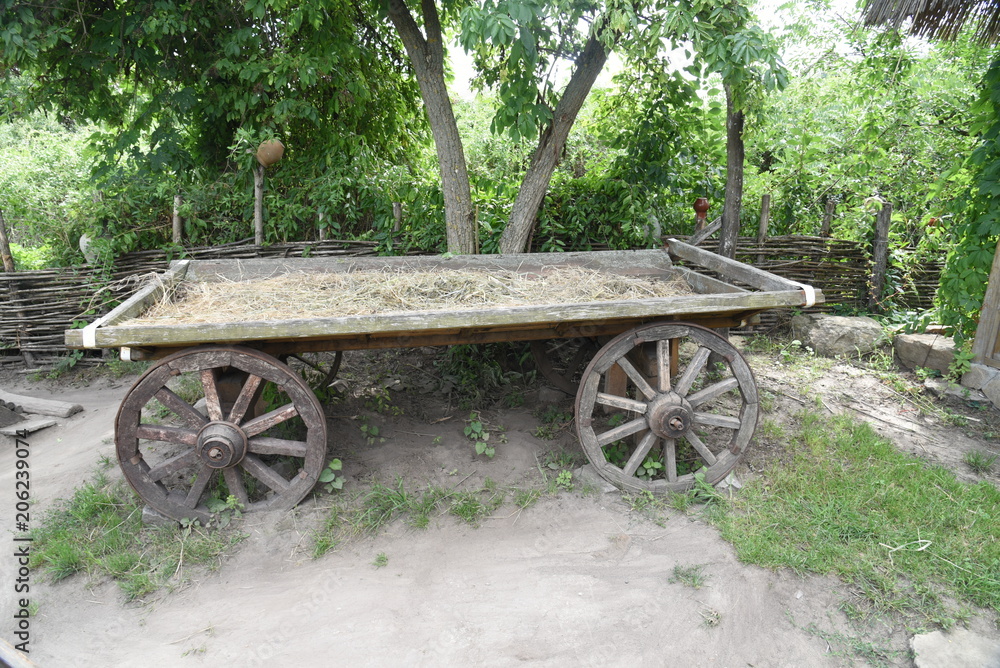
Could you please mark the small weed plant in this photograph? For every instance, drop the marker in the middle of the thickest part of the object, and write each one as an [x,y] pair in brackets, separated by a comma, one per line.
[331,476]
[476,432]
[690,576]
[980,461]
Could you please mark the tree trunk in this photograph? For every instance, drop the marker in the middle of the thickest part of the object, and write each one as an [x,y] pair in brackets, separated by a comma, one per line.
[258,205]
[427,57]
[5,255]
[734,179]
[521,224]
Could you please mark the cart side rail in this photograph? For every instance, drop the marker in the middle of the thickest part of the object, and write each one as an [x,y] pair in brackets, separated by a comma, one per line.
[744,273]
[134,306]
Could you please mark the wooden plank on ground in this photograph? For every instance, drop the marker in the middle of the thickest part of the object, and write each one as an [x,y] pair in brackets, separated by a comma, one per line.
[27,426]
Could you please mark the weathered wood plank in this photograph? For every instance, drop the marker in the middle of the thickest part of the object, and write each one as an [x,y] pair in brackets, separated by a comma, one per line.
[415,324]
[379,341]
[147,295]
[731,269]
[989,317]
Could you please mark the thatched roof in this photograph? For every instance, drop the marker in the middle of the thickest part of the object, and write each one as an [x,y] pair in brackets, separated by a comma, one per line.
[938,19]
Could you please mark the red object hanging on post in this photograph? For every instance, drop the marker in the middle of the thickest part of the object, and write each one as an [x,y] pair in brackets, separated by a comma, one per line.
[700,213]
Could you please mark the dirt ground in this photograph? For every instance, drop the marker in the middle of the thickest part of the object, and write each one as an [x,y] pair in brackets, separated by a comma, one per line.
[576,579]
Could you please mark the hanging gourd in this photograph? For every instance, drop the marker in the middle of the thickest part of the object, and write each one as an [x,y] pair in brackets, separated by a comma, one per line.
[270,152]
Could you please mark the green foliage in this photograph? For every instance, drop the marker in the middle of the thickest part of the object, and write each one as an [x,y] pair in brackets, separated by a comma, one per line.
[977,225]
[331,476]
[99,531]
[476,432]
[690,576]
[980,461]
[179,119]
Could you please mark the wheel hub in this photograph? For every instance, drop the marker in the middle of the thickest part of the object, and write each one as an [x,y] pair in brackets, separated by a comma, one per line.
[221,444]
[669,415]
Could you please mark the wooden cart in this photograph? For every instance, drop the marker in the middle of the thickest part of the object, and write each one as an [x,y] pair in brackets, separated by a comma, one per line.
[660,395]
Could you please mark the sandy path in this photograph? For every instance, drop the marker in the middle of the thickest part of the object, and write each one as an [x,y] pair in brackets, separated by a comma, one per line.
[570,581]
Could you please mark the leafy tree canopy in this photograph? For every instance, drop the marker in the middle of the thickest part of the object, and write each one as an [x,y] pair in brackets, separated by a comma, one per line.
[174,80]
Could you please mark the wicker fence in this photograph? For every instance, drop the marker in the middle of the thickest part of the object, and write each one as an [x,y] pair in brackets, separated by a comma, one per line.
[40,305]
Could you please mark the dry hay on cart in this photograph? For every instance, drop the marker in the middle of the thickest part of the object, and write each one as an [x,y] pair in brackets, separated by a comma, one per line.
[311,295]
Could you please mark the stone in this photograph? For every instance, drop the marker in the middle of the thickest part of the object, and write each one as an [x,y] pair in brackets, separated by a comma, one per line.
[588,477]
[992,391]
[946,389]
[837,336]
[9,417]
[958,648]
[151,517]
[928,351]
[979,376]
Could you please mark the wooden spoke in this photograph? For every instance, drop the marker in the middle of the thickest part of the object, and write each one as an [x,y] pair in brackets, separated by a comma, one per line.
[171,466]
[264,473]
[181,408]
[233,378]
[264,445]
[248,395]
[713,391]
[670,459]
[713,420]
[694,368]
[621,402]
[639,456]
[159,432]
[723,408]
[234,481]
[198,487]
[622,431]
[261,424]
[636,378]
[212,402]
[700,447]
[663,365]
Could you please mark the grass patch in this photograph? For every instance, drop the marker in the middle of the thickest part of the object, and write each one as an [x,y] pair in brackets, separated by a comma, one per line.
[367,513]
[907,535]
[690,576]
[99,531]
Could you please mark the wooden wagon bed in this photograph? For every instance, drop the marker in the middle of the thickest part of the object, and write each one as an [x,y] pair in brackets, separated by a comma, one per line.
[662,398]
[714,303]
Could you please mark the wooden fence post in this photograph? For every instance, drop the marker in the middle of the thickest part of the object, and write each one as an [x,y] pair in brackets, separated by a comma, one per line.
[5,254]
[880,256]
[258,205]
[178,226]
[319,223]
[831,204]
[8,267]
[984,346]
[765,216]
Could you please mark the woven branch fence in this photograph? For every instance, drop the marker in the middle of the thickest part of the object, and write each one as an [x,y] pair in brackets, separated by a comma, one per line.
[39,305]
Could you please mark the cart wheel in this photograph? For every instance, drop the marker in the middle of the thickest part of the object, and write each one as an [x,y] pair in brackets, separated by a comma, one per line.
[175,457]
[666,412]
[560,361]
